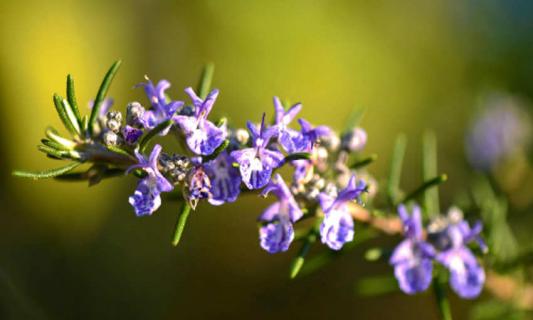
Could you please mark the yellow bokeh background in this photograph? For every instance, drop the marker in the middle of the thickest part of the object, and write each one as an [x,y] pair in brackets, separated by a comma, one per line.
[413,66]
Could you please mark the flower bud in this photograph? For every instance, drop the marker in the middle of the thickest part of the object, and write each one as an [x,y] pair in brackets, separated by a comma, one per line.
[110,138]
[354,140]
[114,121]
[134,113]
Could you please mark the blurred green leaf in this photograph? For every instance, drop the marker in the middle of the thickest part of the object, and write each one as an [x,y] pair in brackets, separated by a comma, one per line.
[439,288]
[424,187]
[496,310]
[375,286]
[354,119]
[50,173]
[308,242]
[364,162]
[493,209]
[315,263]
[429,170]
[100,96]
[395,173]
[205,80]
[180,225]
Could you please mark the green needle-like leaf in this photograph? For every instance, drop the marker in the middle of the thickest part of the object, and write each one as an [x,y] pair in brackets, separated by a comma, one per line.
[64,116]
[424,187]
[71,116]
[205,80]
[71,97]
[393,186]
[440,295]
[83,176]
[152,133]
[297,156]
[364,162]
[53,144]
[429,170]
[51,173]
[53,152]
[53,135]
[217,151]
[299,260]
[354,119]
[121,151]
[180,225]
[100,96]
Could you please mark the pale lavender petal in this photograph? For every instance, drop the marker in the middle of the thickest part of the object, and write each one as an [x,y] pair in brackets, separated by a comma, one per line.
[276,237]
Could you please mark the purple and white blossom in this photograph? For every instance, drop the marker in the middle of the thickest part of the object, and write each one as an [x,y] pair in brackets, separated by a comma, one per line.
[225,179]
[162,109]
[198,185]
[146,198]
[337,227]
[256,163]
[466,274]
[278,232]
[412,258]
[202,136]
[286,136]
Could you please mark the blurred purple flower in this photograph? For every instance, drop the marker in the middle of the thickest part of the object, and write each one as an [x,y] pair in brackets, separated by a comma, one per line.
[256,163]
[278,233]
[466,274]
[202,136]
[354,140]
[337,226]
[501,130]
[412,258]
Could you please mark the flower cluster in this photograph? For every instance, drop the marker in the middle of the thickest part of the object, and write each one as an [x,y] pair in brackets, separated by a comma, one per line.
[445,241]
[216,163]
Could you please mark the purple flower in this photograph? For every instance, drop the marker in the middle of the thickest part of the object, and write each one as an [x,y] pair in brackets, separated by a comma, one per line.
[337,226]
[162,110]
[310,136]
[146,198]
[286,136]
[256,163]
[466,275]
[305,142]
[131,134]
[502,130]
[199,185]
[277,234]
[225,179]
[412,258]
[202,136]
[354,140]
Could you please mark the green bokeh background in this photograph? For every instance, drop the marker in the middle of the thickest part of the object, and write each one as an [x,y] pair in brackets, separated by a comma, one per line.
[72,252]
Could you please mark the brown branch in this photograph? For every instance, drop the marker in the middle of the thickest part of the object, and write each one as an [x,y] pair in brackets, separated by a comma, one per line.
[503,287]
